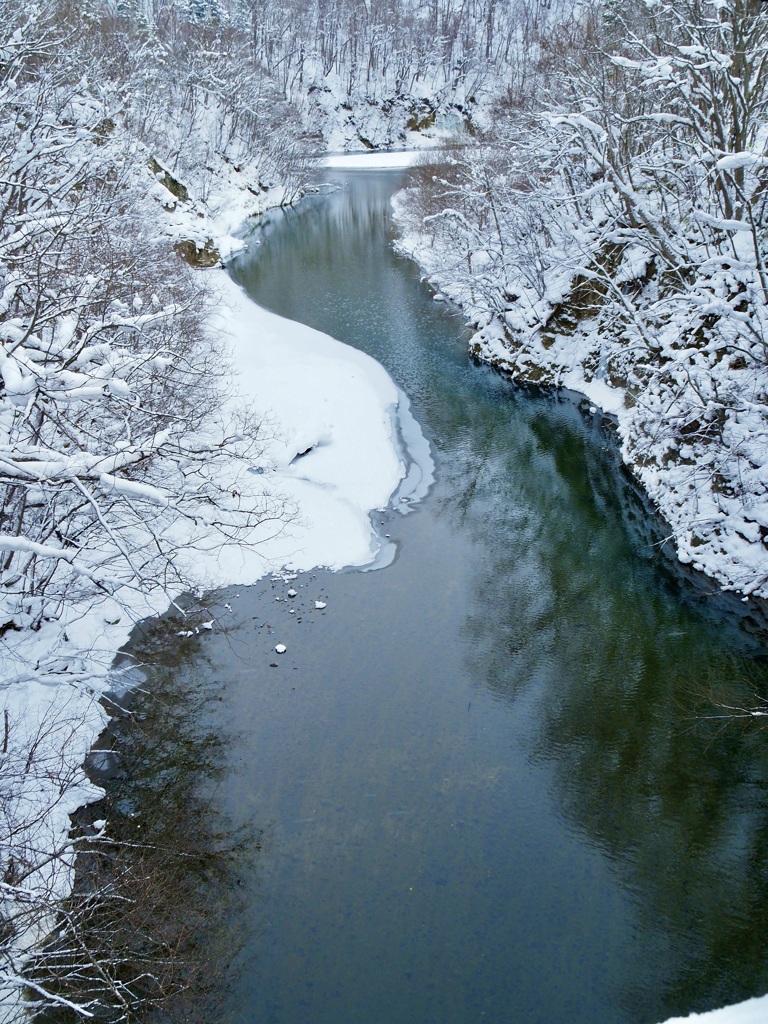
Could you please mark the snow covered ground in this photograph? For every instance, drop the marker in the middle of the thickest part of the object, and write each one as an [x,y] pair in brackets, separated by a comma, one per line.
[752,1011]
[345,443]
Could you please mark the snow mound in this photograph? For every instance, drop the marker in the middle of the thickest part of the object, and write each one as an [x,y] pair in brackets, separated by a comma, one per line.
[344,441]
[752,1011]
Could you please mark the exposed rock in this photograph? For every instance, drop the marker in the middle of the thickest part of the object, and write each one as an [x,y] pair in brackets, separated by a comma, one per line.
[167,180]
[207,256]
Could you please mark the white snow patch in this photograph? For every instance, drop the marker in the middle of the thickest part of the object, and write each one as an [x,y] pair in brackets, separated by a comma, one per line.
[374,159]
[338,410]
[753,1011]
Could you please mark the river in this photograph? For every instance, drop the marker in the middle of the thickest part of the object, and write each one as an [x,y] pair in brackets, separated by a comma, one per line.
[490,780]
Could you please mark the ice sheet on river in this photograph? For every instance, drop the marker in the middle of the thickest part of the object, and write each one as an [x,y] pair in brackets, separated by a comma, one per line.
[346,442]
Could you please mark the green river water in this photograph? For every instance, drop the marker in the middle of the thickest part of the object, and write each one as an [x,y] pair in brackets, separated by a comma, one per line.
[487,780]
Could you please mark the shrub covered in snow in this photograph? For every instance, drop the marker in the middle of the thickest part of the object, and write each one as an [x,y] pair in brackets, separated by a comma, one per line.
[609,235]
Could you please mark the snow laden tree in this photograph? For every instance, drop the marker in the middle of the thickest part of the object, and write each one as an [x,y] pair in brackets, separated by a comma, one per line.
[614,231]
[216,114]
[675,245]
[110,441]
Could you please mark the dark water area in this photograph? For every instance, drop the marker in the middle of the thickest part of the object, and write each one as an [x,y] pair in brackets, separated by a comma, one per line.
[491,781]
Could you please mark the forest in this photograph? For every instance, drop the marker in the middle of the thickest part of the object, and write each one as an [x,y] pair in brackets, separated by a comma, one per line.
[599,215]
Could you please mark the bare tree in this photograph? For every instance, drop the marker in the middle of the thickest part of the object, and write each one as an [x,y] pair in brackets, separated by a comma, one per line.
[111,380]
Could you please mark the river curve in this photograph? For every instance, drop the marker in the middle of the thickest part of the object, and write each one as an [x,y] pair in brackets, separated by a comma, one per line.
[485,779]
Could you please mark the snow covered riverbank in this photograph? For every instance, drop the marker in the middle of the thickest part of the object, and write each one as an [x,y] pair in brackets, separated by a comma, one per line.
[337,451]
[691,418]
[751,1011]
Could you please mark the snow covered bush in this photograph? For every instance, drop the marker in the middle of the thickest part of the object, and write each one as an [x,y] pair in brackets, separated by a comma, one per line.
[613,238]
[110,379]
[204,107]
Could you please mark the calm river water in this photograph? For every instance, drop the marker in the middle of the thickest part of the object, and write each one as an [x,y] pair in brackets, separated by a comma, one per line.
[486,779]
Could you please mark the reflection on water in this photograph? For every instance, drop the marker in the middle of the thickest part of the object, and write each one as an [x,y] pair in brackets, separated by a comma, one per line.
[146,934]
[487,783]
